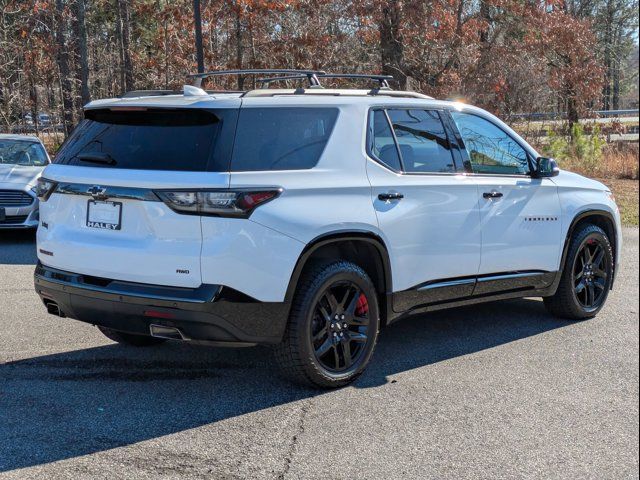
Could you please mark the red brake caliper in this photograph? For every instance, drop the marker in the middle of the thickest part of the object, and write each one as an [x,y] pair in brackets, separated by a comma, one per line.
[362,307]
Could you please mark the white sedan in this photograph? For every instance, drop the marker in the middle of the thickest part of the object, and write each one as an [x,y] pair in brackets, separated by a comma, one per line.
[22,160]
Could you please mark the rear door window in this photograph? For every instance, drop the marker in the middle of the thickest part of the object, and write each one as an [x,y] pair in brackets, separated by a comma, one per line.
[152,139]
[422,141]
[281,138]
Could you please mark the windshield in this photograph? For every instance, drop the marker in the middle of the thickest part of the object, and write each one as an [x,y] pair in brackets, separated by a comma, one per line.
[22,153]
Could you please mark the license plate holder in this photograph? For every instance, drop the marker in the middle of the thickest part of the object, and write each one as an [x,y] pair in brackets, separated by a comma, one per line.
[104,215]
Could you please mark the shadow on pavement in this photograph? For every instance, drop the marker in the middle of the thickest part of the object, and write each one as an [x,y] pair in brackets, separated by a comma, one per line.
[18,247]
[76,403]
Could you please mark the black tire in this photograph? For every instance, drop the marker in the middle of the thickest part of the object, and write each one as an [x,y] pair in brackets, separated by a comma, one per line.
[130,339]
[330,349]
[583,290]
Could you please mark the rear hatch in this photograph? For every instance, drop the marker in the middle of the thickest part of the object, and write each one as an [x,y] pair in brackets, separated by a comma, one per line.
[103,214]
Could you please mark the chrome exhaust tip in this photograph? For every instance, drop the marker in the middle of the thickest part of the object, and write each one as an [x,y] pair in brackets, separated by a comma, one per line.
[168,333]
[54,309]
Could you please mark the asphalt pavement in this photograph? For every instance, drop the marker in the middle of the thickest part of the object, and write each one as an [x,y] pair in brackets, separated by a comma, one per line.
[501,390]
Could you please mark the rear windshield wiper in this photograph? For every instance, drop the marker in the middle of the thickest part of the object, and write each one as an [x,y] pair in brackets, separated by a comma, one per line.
[97,158]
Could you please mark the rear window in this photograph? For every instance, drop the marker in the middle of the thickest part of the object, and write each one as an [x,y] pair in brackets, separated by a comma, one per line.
[160,139]
[281,138]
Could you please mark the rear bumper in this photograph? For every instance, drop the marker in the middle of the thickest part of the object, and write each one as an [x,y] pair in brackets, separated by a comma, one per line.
[209,313]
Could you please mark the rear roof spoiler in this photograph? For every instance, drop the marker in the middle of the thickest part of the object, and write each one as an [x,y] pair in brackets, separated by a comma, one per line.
[150,93]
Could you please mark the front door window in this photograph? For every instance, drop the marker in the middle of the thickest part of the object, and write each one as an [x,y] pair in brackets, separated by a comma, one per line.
[490,149]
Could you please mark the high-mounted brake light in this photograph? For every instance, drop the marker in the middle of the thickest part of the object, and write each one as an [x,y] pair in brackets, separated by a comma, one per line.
[44,188]
[128,109]
[220,203]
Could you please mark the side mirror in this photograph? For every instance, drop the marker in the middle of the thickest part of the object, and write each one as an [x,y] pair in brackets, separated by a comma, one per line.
[546,168]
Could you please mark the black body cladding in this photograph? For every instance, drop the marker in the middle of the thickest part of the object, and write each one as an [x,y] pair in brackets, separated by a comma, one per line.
[209,313]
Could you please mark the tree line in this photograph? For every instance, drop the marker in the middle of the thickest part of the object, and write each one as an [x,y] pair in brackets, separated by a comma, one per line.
[508,56]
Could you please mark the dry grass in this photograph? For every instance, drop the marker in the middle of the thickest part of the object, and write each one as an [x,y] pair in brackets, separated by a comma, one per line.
[626,192]
[51,141]
[619,161]
[618,169]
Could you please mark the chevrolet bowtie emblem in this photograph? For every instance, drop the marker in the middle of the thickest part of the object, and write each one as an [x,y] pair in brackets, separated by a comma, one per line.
[97,192]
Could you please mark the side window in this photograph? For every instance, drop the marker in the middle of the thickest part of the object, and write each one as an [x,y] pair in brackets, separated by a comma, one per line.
[490,149]
[382,145]
[422,140]
[281,138]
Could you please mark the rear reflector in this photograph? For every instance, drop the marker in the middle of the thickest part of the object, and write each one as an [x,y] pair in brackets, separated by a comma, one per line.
[157,314]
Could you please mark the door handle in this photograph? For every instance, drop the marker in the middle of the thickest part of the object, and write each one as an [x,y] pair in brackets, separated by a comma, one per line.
[492,194]
[386,197]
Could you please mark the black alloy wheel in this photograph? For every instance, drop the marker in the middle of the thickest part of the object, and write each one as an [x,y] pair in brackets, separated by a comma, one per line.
[590,274]
[587,275]
[333,326]
[340,326]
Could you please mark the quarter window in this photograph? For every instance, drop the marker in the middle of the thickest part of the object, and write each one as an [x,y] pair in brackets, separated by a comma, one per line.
[423,142]
[383,146]
[281,138]
[490,149]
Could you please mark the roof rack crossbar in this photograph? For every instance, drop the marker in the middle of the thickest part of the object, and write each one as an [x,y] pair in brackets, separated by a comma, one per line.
[383,80]
[267,81]
[311,75]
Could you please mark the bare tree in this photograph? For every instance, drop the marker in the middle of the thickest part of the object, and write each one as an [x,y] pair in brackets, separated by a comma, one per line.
[124,42]
[392,42]
[197,18]
[83,54]
[63,66]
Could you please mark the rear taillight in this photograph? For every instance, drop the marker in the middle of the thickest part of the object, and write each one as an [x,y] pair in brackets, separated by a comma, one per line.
[44,188]
[221,203]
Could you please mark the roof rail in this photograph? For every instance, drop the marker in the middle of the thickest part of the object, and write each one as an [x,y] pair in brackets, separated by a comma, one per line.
[276,92]
[383,80]
[311,75]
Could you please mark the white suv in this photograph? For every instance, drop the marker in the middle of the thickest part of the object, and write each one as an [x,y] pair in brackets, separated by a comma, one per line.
[309,218]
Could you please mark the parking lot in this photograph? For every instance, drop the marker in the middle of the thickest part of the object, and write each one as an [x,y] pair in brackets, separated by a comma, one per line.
[498,390]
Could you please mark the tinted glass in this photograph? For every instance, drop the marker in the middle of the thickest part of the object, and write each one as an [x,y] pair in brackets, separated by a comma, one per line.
[180,140]
[422,140]
[383,146]
[281,138]
[490,149]
[22,153]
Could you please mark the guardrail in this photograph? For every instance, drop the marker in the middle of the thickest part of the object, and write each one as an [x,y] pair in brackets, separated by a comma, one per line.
[19,129]
[563,115]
